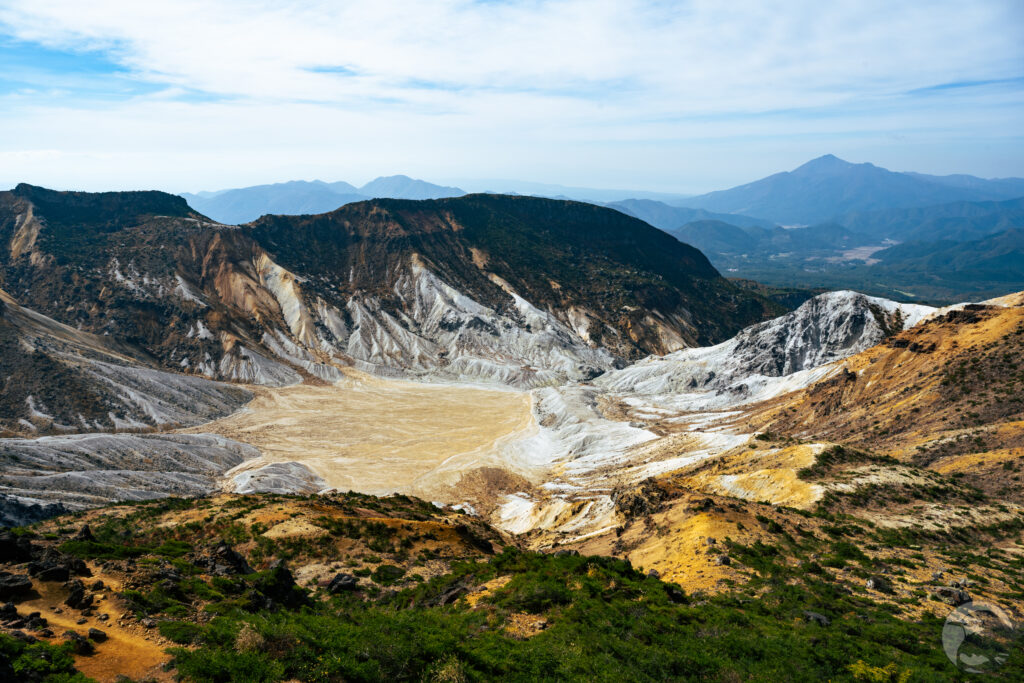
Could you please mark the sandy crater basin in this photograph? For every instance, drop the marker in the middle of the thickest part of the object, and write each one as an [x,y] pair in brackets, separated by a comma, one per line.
[381,436]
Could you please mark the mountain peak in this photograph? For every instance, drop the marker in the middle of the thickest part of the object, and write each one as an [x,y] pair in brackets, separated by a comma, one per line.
[827,162]
[402,186]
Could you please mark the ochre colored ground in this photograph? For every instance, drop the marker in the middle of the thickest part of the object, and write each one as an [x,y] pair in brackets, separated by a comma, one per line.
[130,650]
[380,436]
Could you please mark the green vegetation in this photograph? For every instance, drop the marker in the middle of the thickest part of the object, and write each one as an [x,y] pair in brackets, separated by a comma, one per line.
[37,663]
[801,613]
[605,621]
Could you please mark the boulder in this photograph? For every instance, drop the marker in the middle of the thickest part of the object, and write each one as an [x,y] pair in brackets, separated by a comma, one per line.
[343,582]
[819,619]
[53,565]
[48,571]
[448,596]
[15,548]
[8,611]
[223,560]
[13,586]
[97,635]
[79,643]
[951,595]
[77,597]
[35,622]
[277,584]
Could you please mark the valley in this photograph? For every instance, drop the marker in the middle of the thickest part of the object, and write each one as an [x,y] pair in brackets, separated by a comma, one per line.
[397,403]
[380,436]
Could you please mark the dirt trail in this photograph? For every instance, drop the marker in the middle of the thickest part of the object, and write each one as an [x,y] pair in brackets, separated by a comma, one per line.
[380,436]
[130,650]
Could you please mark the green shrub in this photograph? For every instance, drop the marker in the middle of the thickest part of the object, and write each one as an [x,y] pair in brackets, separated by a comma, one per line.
[181,632]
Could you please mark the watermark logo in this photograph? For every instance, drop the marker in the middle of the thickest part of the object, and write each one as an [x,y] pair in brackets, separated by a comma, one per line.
[978,637]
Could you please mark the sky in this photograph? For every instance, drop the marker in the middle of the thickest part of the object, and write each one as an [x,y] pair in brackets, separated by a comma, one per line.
[657,95]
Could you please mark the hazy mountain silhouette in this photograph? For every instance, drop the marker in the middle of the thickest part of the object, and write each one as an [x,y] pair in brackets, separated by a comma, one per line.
[827,187]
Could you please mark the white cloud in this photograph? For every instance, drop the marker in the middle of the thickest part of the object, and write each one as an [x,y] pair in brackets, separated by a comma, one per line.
[595,91]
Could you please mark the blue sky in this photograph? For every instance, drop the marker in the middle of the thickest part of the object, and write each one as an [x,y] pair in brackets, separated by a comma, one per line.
[664,96]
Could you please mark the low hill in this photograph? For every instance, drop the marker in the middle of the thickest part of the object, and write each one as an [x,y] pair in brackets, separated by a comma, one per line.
[956,221]
[669,217]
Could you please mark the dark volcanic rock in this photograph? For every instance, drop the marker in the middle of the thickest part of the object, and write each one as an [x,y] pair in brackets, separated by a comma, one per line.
[819,619]
[343,582]
[15,548]
[448,596]
[951,596]
[14,512]
[223,560]
[48,571]
[97,635]
[22,636]
[53,565]
[79,643]
[77,597]
[275,587]
[13,586]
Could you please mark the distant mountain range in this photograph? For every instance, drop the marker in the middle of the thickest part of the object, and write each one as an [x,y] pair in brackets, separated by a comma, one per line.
[827,187]
[299,197]
[807,227]
[668,217]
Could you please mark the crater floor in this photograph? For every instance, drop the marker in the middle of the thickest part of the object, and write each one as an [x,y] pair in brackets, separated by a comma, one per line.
[380,436]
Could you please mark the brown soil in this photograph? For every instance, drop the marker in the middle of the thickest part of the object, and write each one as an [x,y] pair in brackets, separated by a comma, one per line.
[130,650]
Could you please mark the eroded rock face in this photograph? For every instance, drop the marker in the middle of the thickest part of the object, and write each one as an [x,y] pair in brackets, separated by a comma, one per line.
[91,469]
[57,379]
[824,329]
